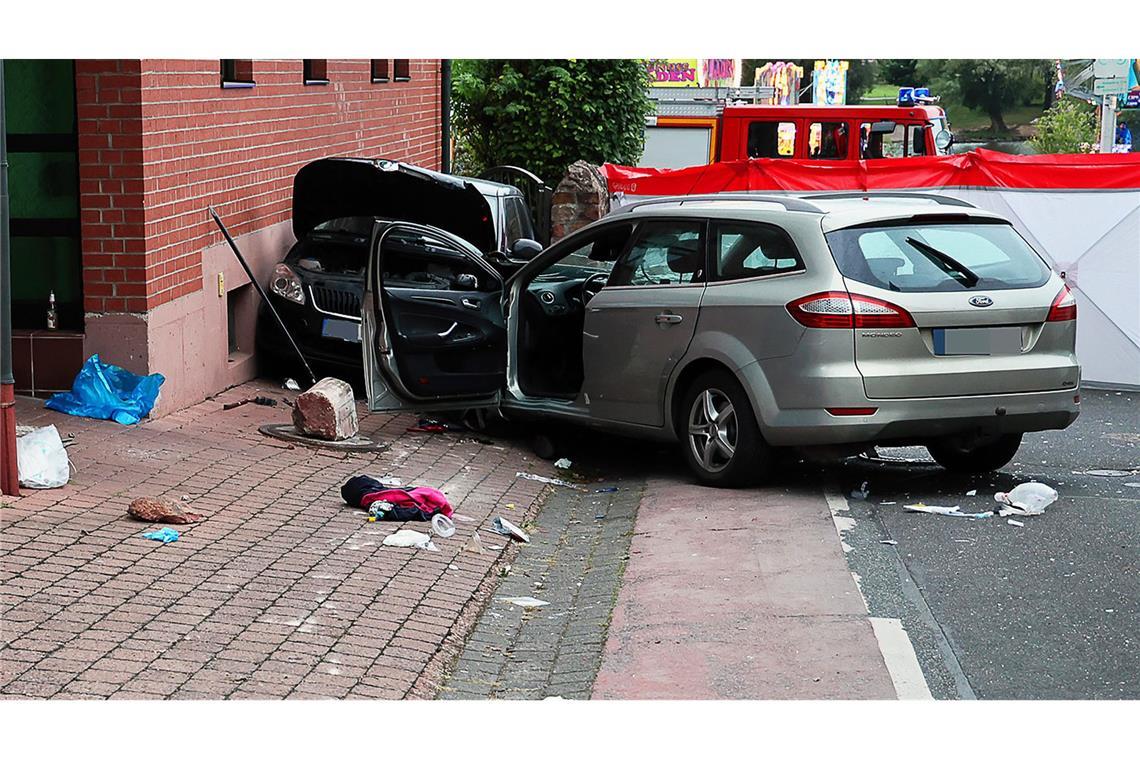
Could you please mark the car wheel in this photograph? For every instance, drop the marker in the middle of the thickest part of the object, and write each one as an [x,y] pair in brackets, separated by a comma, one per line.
[719,434]
[985,458]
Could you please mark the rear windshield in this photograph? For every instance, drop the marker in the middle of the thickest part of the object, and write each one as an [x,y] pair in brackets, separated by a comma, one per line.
[915,258]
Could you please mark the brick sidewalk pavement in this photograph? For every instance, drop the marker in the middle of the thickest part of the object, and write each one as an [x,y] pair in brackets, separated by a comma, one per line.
[575,562]
[282,591]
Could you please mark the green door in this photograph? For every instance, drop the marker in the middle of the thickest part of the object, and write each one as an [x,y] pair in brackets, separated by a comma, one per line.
[44,186]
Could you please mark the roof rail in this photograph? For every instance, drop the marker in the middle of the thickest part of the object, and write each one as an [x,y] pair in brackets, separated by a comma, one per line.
[791,203]
[940,199]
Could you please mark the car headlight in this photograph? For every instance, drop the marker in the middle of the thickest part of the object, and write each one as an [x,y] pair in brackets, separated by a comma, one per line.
[287,284]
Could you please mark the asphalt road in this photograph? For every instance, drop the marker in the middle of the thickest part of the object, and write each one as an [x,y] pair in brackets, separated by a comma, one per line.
[1050,610]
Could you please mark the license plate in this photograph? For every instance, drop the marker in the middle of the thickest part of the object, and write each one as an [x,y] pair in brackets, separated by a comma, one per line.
[977,341]
[342,329]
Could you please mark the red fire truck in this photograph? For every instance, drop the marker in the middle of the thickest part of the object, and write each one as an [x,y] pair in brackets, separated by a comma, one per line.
[702,130]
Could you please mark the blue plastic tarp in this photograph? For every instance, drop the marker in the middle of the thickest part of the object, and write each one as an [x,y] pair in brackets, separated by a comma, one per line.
[106,392]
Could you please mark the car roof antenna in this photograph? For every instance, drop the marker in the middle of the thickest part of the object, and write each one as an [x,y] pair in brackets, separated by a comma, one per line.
[261,291]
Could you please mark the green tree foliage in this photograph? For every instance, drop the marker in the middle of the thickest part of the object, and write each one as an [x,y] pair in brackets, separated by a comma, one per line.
[1069,126]
[991,86]
[899,71]
[543,115]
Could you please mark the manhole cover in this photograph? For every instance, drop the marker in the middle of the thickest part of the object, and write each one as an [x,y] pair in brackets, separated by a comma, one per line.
[286,432]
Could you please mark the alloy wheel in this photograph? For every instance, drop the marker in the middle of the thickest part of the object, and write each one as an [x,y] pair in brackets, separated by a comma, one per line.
[712,430]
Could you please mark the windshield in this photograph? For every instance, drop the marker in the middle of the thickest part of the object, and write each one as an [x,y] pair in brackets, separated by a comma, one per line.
[915,258]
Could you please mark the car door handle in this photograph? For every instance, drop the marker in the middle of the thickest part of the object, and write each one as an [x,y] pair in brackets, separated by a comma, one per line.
[468,303]
[668,319]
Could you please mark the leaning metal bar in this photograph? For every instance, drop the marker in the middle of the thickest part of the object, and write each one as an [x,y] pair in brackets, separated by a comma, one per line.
[264,297]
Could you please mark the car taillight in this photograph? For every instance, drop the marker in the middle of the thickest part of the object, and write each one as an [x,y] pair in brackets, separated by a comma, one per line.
[836,309]
[1064,306]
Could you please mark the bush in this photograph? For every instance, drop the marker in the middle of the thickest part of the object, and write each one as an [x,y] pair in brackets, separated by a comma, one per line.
[544,115]
[1069,126]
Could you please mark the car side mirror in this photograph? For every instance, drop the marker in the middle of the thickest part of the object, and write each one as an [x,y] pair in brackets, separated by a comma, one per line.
[525,249]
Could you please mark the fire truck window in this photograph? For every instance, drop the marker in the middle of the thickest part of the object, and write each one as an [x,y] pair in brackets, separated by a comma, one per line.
[917,140]
[828,140]
[882,145]
[771,139]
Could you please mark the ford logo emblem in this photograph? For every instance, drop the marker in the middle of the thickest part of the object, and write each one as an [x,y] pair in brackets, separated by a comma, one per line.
[981,301]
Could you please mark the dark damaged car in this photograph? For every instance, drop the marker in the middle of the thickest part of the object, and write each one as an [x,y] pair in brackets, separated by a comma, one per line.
[317,289]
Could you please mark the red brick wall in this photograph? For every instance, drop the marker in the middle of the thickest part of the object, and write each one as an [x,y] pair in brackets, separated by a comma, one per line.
[109,112]
[161,140]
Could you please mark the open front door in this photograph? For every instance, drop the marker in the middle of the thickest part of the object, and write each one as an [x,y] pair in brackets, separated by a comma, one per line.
[433,329]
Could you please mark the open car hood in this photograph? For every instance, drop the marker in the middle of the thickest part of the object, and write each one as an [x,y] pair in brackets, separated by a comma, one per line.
[332,188]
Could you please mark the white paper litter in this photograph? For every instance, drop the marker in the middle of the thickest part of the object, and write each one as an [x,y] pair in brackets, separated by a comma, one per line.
[507,528]
[563,464]
[526,602]
[1015,523]
[1026,499]
[972,492]
[947,511]
[410,539]
[542,479]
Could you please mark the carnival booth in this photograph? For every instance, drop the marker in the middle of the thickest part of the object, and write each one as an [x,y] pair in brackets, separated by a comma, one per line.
[1081,212]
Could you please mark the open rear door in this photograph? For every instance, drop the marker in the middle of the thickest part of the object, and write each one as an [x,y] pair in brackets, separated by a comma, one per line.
[433,329]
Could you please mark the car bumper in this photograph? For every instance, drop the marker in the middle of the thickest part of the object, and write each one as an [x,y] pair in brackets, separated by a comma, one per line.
[305,327]
[922,419]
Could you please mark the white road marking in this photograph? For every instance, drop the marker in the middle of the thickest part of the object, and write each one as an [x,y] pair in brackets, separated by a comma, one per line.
[901,661]
[894,643]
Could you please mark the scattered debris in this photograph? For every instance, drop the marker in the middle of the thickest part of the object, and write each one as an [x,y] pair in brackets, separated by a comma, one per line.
[890,542]
[542,479]
[41,459]
[563,464]
[165,535]
[507,528]
[526,602]
[1026,499]
[442,525]
[327,411]
[1133,485]
[291,384]
[259,400]
[106,392]
[887,503]
[161,510]
[947,511]
[410,539]
[428,425]
[607,489]
[474,545]
[462,518]
[400,504]
[1016,523]
[861,493]
[23,430]
[972,492]
[1105,473]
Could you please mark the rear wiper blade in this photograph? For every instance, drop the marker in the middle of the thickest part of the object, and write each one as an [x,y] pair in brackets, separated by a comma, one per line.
[945,261]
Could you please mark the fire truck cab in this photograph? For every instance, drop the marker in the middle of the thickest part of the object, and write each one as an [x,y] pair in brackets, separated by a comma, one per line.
[695,132]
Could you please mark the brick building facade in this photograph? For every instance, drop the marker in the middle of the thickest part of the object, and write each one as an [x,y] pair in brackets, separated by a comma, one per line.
[157,142]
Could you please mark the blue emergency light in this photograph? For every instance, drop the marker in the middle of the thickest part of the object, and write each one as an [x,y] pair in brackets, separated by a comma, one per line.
[910,96]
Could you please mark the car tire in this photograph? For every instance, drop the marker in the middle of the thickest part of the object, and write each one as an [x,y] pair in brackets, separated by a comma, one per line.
[736,454]
[985,458]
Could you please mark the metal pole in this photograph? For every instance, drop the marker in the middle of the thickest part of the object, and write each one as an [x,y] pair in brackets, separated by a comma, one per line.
[445,115]
[261,290]
[1107,124]
[9,470]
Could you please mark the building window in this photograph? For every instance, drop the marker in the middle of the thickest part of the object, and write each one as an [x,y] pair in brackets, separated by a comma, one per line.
[379,69]
[316,71]
[237,72]
[402,69]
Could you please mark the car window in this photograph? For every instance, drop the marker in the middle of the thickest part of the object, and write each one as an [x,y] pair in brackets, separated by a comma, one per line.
[516,219]
[827,139]
[771,139]
[746,249]
[937,257]
[663,253]
[596,253]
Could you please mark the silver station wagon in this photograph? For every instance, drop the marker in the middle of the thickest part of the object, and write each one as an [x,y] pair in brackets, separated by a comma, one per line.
[740,324]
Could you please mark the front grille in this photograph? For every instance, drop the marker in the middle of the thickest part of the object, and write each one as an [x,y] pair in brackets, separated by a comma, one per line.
[335,301]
